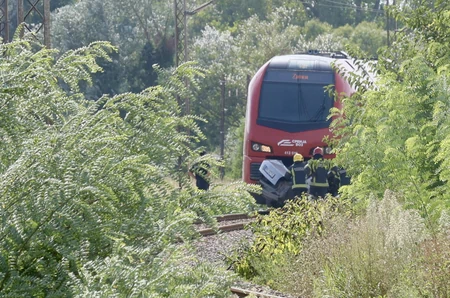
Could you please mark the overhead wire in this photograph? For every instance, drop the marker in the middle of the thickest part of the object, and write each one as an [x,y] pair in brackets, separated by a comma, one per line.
[340,6]
[353,6]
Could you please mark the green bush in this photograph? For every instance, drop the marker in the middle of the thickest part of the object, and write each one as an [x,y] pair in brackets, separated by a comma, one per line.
[87,206]
[395,133]
[385,252]
[313,28]
[388,252]
[283,231]
[234,149]
[369,37]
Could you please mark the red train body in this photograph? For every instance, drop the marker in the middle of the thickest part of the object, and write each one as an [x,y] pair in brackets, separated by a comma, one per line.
[288,106]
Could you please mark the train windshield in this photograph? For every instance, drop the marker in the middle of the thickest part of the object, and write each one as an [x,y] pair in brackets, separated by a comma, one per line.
[295,101]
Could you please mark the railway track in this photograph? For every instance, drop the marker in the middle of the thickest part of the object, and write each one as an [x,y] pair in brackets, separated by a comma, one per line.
[229,217]
[242,218]
[228,223]
[244,293]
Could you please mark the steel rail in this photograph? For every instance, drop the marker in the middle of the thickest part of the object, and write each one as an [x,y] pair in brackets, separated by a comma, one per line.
[234,216]
[227,228]
[228,217]
[243,293]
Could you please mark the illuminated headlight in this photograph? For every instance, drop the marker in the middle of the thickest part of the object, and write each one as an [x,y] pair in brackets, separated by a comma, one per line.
[327,150]
[261,148]
[265,148]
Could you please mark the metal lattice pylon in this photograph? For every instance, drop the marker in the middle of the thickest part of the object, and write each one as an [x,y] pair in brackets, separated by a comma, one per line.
[4,20]
[180,32]
[35,8]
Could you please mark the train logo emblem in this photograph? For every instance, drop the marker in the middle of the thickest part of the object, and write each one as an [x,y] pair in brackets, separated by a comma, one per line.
[291,143]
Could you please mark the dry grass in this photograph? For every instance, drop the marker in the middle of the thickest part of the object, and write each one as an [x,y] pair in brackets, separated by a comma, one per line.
[386,253]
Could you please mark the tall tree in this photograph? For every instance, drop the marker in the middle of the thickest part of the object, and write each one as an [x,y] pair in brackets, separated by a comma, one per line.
[234,60]
[130,26]
[342,12]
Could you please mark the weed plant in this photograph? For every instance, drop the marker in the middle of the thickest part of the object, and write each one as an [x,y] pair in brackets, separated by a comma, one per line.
[387,252]
[281,232]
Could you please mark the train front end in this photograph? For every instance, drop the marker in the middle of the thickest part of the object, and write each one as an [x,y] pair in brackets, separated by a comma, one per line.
[288,105]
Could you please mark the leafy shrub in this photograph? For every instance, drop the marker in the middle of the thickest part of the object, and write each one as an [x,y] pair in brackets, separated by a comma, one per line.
[395,134]
[86,206]
[386,253]
[313,28]
[234,148]
[127,272]
[283,231]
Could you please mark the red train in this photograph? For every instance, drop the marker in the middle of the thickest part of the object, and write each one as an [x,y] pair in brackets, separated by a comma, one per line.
[288,106]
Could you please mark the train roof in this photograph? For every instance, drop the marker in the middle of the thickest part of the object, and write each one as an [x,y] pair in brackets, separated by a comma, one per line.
[323,62]
[306,61]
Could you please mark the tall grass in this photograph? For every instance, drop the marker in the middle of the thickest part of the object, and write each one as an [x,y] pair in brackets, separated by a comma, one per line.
[387,252]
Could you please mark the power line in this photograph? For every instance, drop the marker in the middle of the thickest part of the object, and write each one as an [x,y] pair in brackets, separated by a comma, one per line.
[350,5]
[341,5]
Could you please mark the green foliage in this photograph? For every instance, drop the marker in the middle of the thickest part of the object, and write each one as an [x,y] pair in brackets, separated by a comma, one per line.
[137,28]
[369,37]
[284,230]
[228,15]
[326,42]
[234,148]
[344,32]
[344,12]
[127,273]
[60,3]
[394,135]
[385,252]
[232,60]
[299,13]
[314,28]
[259,40]
[232,11]
[88,203]
[217,52]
